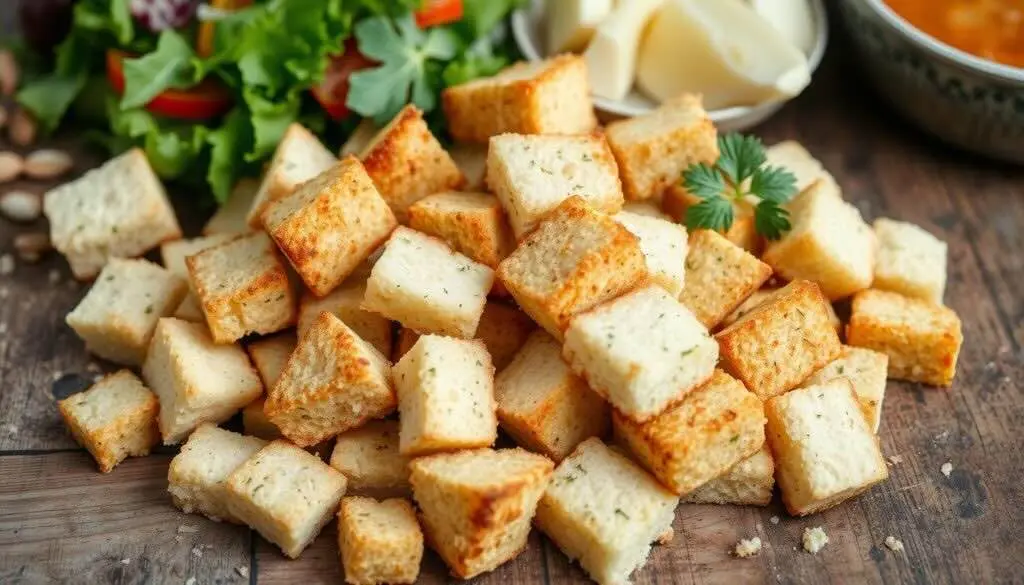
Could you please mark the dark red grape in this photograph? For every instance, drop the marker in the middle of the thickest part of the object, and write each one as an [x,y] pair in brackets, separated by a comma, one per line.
[45,23]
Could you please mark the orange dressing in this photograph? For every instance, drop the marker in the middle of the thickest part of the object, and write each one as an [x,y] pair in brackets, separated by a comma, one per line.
[990,29]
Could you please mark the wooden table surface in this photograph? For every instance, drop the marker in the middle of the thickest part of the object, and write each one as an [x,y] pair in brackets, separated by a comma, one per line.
[63,522]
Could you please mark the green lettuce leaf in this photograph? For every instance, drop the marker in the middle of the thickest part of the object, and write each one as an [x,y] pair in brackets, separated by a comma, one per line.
[172,64]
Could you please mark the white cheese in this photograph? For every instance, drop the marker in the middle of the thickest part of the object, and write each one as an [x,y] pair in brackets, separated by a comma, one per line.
[571,23]
[611,56]
[792,18]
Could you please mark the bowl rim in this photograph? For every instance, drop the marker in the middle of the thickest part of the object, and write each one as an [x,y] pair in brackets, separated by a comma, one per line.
[937,48]
[521,21]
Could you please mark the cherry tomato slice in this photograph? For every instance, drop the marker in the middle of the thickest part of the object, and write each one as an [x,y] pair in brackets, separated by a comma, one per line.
[208,99]
[435,12]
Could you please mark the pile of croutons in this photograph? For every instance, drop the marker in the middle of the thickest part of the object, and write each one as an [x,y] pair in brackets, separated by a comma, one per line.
[555,299]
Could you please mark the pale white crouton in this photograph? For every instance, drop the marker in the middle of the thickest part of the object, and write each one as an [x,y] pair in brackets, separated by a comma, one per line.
[243,288]
[542,405]
[641,352]
[911,261]
[664,246]
[545,97]
[114,419]
[471,223]
[380,542]
[196,379]
[119,210]
[285,494]
[825,451]
[270,355]
[866,370]
[445,396]
[345,302]
[334,381]
[173,255]
[829,244]
[531,175]
[748,483]
[407,163]
[476,505]
[423,284]
[299,157]
[791,155]
[369,458]
[116,318]
[197,473]
[330,224]
[359,139]
[576,258]
[701,437]
[719,276]
[922,339]
[256,423]
[647,208]
[654,149]
[231,218]
[603,510]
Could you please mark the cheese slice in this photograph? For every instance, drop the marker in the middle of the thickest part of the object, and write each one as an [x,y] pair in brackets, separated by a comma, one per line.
[611,56]
[571,23]
[722,50]
[792,18]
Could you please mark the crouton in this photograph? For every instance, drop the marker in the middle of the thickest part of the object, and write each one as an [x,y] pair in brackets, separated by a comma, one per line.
[866,370]
[829,244]
[116,318]
[664,246]
[445,396]
[359,139]
[605,511]
[792,156]
[650,208]
[641,352]
[114,419]
[531,175]
[196,479]
[922,339]
[333,382]
[285,494]
[423,284]
[654,149]
[911,261]
[542,405]
[473,224]
[299,157]
[243,288]
[476,505]
[330,224]
[676,200]
[173,255]
[547,97]
[270,354]
[748,483]
[380,542]
[502,328]
[256,423]
[779,344]
[231,218]
[825,451]
[710,430]
[196,379]
[719,276]
[759,296]
[471,159]
[576,259]
[407,163]
[119,210]
[369,458]
[345,302]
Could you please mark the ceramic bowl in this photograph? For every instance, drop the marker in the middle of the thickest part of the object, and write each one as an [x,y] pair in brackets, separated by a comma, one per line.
[527,27]
[964,100]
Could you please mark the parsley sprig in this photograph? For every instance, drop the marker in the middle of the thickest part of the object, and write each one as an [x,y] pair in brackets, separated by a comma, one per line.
[739,175]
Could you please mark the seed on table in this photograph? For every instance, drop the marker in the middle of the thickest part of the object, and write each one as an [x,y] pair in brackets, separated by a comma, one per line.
[11,165]
[48,163]
[32,246]
[22,128]
[21,206]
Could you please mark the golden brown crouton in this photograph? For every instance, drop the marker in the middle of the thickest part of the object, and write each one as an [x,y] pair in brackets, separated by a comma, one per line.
[911,261]
[547,97]
[713,428]
[407,163]
[380,542]
[345,302]
[779,344]
[719,276]
[676,200]
[759,296]
[576,259]
[922,339]
[256,423]
[330,224]
[473,224]
[270,355]
[748,483]
[299,157]
[369,458]
[654,149]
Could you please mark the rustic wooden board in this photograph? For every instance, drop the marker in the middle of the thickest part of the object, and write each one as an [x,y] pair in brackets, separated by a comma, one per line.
[60,521]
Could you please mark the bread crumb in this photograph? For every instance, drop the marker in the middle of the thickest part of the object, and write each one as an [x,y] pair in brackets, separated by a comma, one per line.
[190,581]
[93,367]
[12,430]
[895,459]
[748,547]
[54,276]
[197,551]
[187,529]
[774,519]
[56,376]
[814,539]
[126,561]
[6,264]
[894,544]
[946,469]
[242,571]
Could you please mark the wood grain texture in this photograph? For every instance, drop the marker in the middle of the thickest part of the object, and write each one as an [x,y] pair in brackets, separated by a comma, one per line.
[60,520]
